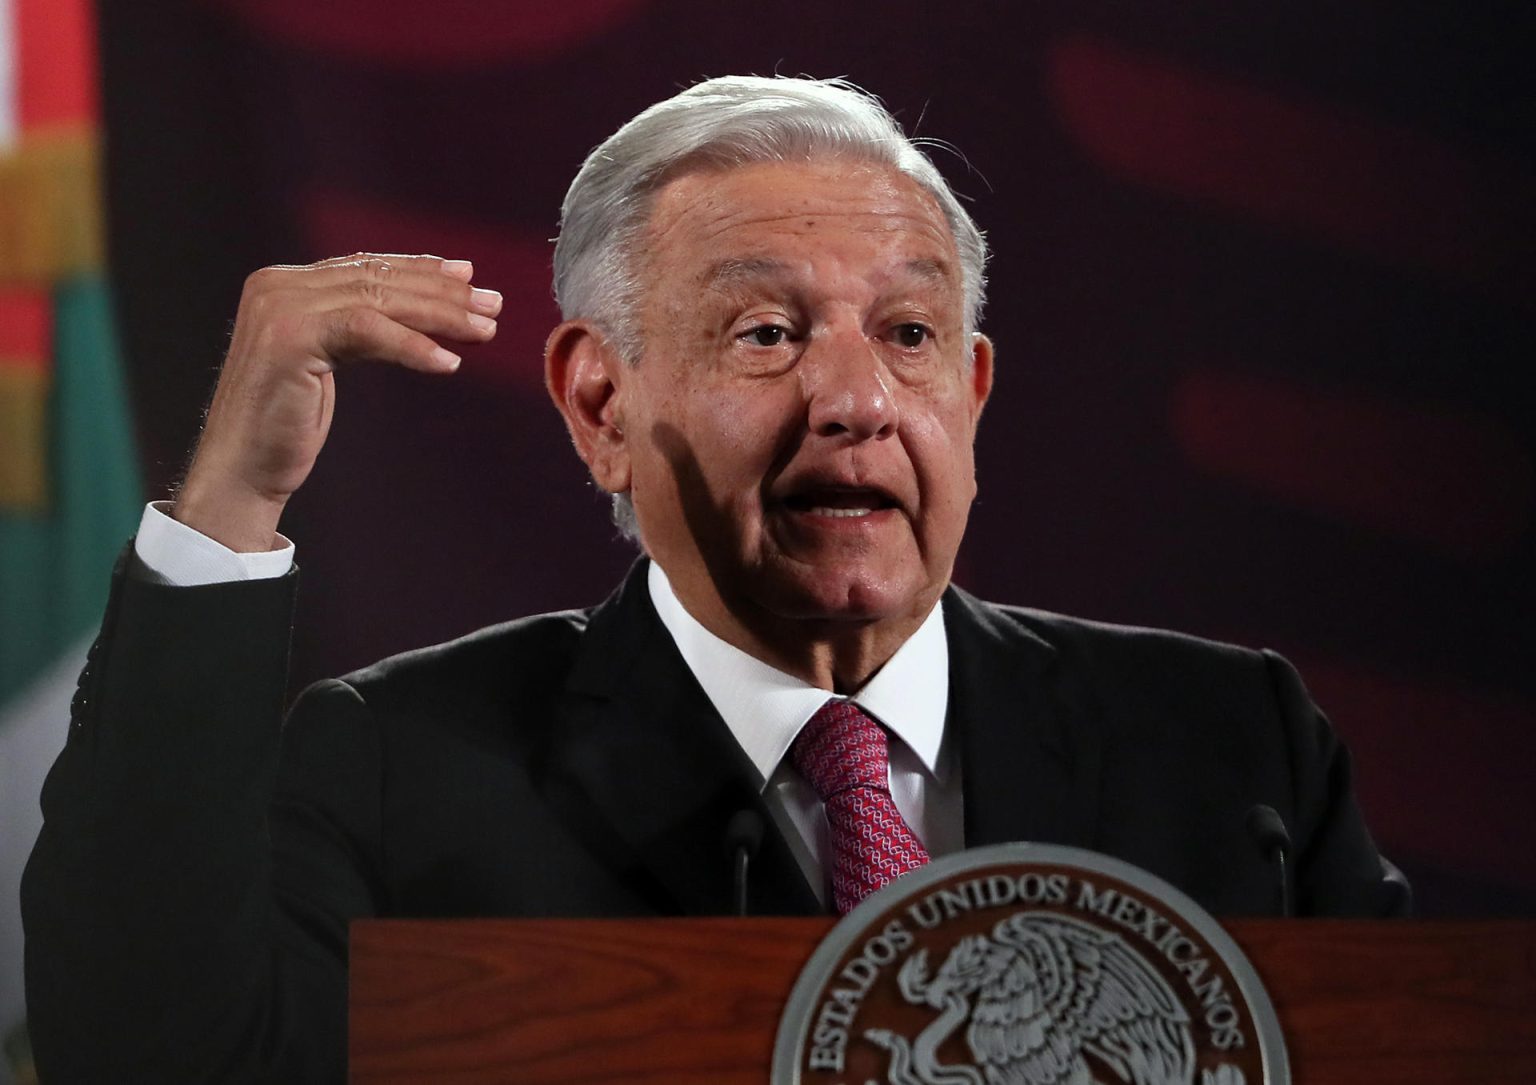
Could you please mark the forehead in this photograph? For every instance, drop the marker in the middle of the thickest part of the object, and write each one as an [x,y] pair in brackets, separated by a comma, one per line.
[782,214]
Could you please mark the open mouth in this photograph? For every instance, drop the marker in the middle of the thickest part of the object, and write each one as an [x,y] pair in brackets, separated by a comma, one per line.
[839,503]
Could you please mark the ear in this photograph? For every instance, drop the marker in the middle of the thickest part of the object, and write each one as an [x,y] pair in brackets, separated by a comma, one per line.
[981,372]
[584,376]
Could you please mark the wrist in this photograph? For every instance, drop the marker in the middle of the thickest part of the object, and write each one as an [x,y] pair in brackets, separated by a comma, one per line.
[230,514]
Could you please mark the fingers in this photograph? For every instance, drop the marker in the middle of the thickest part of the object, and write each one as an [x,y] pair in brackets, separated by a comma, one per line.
[459,312]
[426,293]
[382,307]
[359,333]
[403,262]
[428,275]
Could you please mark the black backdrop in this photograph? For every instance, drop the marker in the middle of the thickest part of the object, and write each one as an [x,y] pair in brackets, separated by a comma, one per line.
[1263,294]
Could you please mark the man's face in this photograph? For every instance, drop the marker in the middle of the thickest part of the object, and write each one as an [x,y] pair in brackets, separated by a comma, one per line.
[799,428]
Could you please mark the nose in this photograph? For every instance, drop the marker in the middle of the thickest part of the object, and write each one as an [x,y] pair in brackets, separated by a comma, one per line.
[848,388]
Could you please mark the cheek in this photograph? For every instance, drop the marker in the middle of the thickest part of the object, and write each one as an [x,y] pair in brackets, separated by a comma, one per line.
[740,432]
[941,445]
[944,460]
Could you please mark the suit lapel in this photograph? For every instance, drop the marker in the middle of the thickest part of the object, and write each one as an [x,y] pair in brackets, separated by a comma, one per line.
[1029,756]
[649,775]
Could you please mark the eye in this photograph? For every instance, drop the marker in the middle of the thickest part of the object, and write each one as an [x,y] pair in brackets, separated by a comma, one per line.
[911,336]
[765,335]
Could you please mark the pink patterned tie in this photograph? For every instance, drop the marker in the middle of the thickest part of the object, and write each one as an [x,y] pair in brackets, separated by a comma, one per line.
[842,753]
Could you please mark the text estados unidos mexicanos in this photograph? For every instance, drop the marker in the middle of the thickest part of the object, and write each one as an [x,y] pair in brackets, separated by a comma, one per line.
[834,1018]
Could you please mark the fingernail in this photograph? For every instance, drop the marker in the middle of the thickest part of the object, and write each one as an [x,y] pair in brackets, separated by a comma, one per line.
[446,358]
[481,323]
[487,301]
[459,269]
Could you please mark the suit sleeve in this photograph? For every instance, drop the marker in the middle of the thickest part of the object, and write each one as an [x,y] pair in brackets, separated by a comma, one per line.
[186,914]
[1337,869]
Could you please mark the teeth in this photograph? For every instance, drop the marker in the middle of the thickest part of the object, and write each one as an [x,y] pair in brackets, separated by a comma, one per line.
[822,510]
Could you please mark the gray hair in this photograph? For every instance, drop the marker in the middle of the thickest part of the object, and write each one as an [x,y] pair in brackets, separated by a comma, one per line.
[723,123]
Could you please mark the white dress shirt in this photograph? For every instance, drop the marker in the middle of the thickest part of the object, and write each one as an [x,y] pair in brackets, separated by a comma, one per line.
[763,707]
[170,552]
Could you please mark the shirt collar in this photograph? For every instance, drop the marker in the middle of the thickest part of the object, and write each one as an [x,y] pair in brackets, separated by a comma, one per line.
[765,708]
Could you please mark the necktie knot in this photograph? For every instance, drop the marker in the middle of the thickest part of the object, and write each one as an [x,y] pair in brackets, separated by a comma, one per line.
[841,748]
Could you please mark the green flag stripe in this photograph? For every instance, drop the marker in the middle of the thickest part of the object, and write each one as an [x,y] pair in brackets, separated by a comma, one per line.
[54,566]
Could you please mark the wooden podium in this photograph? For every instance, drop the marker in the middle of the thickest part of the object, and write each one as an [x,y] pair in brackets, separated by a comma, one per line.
[697,1001]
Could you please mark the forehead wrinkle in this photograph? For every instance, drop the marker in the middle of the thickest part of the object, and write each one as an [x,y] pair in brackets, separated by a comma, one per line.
[694,206]
[775,241]
[708,215]
[710,223]
[735,271]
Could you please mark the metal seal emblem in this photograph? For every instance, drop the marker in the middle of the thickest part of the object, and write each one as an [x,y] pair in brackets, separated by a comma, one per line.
[1029,964]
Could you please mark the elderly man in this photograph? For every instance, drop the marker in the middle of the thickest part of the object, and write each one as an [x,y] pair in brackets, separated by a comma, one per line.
[770,357]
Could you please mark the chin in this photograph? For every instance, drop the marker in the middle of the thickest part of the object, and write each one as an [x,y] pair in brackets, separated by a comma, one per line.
[847,596]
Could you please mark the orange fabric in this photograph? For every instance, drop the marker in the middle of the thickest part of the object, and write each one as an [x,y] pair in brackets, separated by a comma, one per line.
[23,438]
[50,208]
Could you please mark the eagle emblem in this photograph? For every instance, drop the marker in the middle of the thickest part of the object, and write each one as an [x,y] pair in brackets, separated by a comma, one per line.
[1046,999]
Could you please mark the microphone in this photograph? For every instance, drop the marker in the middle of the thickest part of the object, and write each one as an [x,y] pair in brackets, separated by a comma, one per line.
[743,836]
[1269,833]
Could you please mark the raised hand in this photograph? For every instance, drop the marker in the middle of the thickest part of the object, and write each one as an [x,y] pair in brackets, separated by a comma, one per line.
[272,408]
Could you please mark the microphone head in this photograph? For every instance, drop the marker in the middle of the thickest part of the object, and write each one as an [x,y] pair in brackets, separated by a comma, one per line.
[744,830]
[1267,828]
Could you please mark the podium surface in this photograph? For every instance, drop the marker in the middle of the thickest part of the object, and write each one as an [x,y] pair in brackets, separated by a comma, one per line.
[696,1001]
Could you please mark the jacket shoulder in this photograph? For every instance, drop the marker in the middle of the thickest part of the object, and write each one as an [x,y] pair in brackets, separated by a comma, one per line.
[1137,681]
[1109,645]
[511,662]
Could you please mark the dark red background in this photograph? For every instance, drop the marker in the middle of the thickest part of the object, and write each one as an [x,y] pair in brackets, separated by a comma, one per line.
[1263,296]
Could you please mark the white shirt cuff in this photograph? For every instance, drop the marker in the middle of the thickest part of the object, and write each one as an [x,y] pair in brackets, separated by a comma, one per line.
[170,552]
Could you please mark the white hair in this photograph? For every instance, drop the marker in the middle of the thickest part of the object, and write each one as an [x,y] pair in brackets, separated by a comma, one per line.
[719,124]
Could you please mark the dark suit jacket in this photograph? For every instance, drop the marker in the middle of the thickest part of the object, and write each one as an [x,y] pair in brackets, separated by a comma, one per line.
[188,900]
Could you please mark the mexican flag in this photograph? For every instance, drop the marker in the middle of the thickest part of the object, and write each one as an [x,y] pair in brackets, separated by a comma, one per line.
[69,483]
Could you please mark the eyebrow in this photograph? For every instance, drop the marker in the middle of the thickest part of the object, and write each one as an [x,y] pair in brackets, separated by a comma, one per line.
[930,269]
[733,271]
